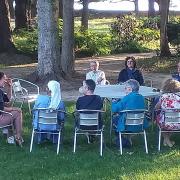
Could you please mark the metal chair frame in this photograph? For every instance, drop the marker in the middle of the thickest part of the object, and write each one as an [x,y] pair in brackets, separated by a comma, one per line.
[88,120]
[47,117]
[20,93]
[9,125]
[171,116]
[133,118]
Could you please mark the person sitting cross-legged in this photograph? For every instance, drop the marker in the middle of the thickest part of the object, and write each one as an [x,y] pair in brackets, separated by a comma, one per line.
[7,119]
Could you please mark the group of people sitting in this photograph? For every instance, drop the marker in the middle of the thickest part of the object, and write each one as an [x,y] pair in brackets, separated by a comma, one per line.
[130,76]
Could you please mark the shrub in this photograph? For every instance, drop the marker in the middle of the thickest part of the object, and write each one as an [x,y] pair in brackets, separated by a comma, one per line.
[132,34]
[92,43]
[26,40]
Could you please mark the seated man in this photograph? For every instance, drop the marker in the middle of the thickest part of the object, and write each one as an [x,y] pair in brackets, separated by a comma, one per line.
[95,74]
[89,100]
[176,76]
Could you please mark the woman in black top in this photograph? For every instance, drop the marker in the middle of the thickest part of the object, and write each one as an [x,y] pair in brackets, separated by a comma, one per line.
[130,72]
[6,119]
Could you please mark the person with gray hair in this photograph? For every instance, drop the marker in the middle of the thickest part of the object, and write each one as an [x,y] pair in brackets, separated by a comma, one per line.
[95,74]
[133,100]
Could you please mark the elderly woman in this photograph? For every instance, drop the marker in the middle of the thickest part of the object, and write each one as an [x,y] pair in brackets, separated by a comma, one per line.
[6,119]
[130,72]
[51,101]
[132,100]
[169,100]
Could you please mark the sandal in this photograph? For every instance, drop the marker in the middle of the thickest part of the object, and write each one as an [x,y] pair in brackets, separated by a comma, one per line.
[19,141]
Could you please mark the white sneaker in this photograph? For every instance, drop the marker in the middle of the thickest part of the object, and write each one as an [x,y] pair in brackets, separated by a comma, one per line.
[11,140]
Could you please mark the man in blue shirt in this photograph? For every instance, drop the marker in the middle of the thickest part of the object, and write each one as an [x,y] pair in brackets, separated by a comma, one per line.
[177,75]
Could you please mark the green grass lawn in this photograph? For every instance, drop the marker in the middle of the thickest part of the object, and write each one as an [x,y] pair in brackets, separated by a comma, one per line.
[43,163]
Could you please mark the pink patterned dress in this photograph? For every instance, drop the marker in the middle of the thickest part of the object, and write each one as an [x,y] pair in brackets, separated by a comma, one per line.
[168,101]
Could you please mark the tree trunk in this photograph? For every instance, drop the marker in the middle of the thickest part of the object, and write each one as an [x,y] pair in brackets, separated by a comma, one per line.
[33,8]
[48,41]
[85,14]
[6,43]
[61,9]
[164,10]
[11,8]
[21,14]
[67,57]
[151,11]
[136,7]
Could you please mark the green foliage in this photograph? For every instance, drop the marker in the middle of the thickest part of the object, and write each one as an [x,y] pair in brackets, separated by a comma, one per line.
[92,43]
[126,34]
[26,40]
[43,163]
[132,34]
[173,32]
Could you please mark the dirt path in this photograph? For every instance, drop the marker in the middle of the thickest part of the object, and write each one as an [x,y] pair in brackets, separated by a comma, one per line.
[110,64]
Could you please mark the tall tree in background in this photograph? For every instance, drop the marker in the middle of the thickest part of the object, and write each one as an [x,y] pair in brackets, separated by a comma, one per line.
[48,41]
[6,43]
[151,11]
[85,14]
[21,20]
[136,5]
[164,11]
[11,8]
[67,56]
[33,8]
[61,9]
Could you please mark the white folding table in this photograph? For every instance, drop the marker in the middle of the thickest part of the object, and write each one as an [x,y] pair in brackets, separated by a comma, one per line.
[118,92]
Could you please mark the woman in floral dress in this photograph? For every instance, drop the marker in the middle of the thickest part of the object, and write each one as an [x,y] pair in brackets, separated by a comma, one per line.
[169,100]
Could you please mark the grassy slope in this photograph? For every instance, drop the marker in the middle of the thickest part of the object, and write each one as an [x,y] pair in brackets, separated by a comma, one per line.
[43,163]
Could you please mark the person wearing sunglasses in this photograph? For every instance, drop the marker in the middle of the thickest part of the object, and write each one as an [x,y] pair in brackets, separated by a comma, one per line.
[130,72]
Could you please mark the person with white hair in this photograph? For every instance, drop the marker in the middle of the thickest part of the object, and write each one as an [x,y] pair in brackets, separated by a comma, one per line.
[51,101]
[95,74]
[133,100]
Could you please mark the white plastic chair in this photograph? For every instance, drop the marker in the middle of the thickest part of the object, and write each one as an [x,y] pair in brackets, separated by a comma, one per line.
[84,123]
[24,91]
[133,118]
[47,117]
[171,116]
[148,83]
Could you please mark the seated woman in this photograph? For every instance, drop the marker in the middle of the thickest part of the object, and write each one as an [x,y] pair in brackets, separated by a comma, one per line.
[130,72]
[169,100]
[50,101]
[133,100]
[6,119]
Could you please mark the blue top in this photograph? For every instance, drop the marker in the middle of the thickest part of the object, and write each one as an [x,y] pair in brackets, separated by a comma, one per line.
[176,77]
[127,74]
[43,101]
[131,101]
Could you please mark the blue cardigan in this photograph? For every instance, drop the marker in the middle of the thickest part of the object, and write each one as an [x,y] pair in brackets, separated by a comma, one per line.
[131,101]
[137,75]
[43,101]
